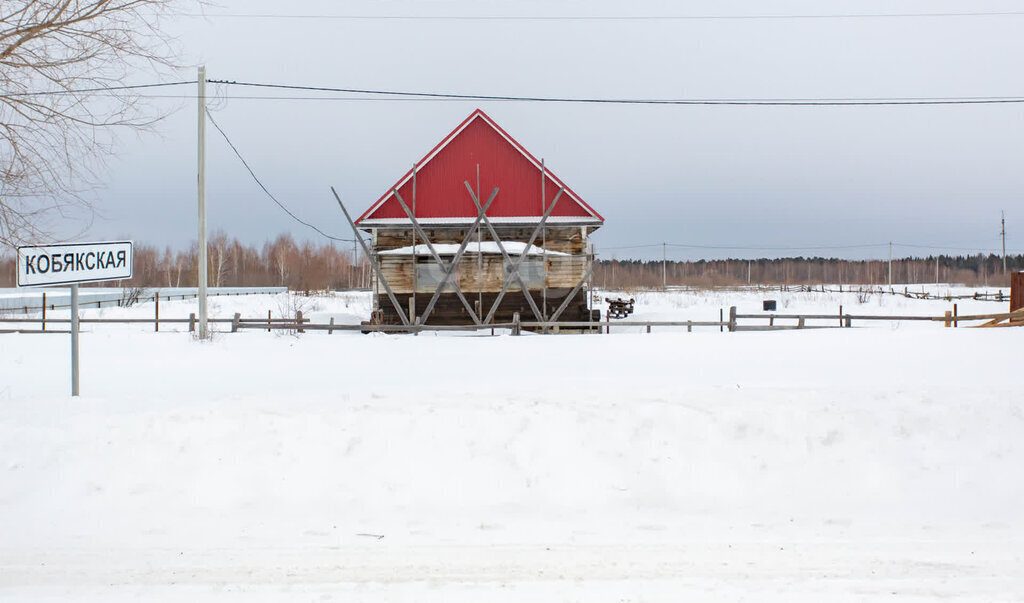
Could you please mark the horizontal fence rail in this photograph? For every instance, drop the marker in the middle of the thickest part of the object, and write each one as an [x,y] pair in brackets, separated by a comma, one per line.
[950,318]
[300,324]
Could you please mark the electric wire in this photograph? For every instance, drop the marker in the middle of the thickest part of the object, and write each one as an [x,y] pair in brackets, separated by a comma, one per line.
[605,17]
[265,190]
[394,95]
[640,101]
[802,248]
[100,89]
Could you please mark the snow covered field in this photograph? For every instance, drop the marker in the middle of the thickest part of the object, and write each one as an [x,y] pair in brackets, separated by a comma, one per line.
[854,464]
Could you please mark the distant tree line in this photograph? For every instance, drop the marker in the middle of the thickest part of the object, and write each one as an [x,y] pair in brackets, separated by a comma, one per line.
[325,266]
[976,270]
[282,262]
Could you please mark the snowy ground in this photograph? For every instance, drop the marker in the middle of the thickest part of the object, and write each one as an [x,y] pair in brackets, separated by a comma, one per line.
[841,465]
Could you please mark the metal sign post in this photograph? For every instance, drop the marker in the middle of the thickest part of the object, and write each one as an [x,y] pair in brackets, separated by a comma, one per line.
[74,339]
[71,264]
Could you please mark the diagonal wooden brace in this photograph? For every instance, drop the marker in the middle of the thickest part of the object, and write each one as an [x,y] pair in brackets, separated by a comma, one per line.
[376,268]
[522,256]
[505,257]
[575,290]
[482,215]
[437,258]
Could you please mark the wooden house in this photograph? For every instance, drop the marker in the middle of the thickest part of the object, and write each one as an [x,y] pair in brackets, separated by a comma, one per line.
[478,166]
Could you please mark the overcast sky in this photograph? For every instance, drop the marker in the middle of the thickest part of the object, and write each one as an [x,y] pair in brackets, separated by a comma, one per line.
[695,175]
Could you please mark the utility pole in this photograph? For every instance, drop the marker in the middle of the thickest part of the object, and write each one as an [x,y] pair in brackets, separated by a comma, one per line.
[203,328]
[890,265]
[1002,232]
[748,272]
[664,270]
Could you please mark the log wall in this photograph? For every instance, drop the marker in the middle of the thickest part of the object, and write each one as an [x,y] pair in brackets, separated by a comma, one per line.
[481,276]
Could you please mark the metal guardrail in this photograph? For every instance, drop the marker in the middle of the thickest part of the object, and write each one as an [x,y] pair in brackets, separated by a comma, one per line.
[108,299]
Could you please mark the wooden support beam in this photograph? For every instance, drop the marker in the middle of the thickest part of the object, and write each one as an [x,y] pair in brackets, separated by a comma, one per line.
[504,254]
[514,271]
[572,294]
[481,215]
[448,268]
[373,262]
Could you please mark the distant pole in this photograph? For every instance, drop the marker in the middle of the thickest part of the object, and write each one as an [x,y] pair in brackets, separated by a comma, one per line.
[748,272]
[1002,233]
[936,269]
[203,329]
[890,264]
[664,269]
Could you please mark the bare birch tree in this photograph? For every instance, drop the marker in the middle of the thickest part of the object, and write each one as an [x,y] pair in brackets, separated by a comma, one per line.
[64,68]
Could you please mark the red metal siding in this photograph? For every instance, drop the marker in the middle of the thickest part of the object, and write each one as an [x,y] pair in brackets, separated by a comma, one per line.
[503,163]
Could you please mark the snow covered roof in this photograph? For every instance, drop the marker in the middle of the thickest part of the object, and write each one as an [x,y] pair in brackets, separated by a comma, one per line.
[486,247]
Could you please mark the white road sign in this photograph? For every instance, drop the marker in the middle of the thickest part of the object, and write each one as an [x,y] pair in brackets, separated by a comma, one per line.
[40,265]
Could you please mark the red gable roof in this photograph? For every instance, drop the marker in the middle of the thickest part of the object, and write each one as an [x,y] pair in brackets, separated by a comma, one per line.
[441,195]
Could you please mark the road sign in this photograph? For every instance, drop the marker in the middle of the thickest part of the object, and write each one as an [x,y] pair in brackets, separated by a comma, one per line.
[70,264]
[42,265]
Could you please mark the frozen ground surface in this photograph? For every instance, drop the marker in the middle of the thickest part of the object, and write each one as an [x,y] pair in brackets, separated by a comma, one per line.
[872,463]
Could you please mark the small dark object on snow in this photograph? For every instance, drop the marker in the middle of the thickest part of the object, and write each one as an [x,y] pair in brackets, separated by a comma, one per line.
[769,305]
[618,307]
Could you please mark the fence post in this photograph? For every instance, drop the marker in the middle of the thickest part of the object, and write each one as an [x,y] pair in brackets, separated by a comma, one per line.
[192,322]
[156,313]
[648,328]
[955,322]
[948,320]
[298,322]
[689,326]
[515,324]
[234,322]
[800,322]
[840,315]
[849,321]
[44,310]
[268,321]
[330,329]
[732,318]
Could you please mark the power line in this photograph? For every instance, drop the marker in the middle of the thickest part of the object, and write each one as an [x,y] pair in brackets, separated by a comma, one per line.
[770,248]
[269,194]
[401,95]
[798,248]
[100,89]
[605,17]
[641,101]
[943,247]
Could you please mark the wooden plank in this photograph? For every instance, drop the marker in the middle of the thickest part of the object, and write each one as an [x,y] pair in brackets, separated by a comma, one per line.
[1016,291]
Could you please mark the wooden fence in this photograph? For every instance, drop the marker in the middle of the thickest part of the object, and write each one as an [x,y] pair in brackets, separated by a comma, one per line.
[237,322]
[775,322]
[842,320]
[997,296]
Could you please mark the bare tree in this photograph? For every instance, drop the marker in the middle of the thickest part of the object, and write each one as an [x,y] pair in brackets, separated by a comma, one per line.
[219,245]
[64,92]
